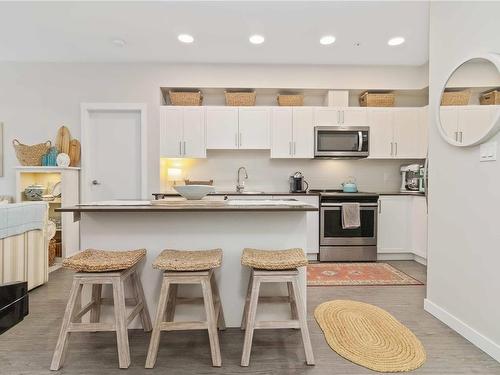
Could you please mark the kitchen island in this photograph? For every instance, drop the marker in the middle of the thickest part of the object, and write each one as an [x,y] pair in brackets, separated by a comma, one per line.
[230,227]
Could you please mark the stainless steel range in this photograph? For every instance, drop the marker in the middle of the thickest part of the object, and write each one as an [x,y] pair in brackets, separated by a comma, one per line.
[339,244]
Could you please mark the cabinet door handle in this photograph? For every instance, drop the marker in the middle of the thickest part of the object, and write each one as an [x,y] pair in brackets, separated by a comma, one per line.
[461,137]
[456,136]
[236,139]
[241,142]
[294,148]
[338,117]
[180,147]
[290,148]
[392,148]
[343,114]
[396,148]
[184,147]
[379,207]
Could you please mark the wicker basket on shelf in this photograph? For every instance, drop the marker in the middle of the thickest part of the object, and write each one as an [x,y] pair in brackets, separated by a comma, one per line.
[185,97]
[455,97]
[30,155]
[377,99]
[491,97]
[240,98]
[290,100]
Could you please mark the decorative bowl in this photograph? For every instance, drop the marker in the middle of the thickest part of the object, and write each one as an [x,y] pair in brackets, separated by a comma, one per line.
[34,192]
[194,191]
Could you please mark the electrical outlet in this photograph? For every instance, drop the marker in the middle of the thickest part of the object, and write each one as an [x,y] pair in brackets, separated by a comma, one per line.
[488,151]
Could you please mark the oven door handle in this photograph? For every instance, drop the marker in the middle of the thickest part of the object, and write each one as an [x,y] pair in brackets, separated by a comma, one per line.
[340,205]
[360,141]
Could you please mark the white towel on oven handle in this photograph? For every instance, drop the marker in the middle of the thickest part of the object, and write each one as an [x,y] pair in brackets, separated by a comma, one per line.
[351,217]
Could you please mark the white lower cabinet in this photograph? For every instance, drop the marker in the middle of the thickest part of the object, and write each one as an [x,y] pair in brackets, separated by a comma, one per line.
[312,220]
[393,228]
[402,225]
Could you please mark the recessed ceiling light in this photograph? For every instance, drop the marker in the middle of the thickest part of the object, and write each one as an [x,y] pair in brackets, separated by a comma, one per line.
[185,38]
[119,42]
[396,41]
[327,39]
[256,39]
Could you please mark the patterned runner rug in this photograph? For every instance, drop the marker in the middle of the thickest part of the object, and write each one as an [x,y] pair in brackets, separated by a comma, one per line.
[357,274]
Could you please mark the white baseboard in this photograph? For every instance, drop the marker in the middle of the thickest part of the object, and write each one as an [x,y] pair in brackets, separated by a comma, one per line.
[395,256]
[402,256]
[482,342]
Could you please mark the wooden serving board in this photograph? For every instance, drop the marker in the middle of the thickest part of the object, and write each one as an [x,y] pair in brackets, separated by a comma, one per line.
[62,140]
[74,152]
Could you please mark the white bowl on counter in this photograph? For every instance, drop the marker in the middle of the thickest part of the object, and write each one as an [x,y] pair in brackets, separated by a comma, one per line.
[192,192]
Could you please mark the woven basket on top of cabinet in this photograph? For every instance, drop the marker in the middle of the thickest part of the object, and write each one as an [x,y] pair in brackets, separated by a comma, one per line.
[377,99]
[290,100]
[30,155]
[455,97]
[490,97]
[185,97]
[240,98]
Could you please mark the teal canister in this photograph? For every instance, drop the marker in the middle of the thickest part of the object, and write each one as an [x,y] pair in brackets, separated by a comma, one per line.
[52,156]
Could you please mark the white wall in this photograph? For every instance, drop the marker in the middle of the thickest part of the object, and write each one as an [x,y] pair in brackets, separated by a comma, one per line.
[464,197]
[37,98]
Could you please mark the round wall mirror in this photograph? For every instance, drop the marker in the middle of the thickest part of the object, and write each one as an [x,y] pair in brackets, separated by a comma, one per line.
[469,111]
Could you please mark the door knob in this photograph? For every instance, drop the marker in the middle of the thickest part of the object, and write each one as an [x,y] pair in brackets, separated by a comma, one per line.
[95,182]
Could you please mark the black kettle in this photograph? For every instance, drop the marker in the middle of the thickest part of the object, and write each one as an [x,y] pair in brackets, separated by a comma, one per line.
[297,183]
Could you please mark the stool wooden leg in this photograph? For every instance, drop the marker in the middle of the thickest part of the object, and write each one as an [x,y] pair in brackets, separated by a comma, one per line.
[121,323]
[95,313]
[293,304]
[303,323]
[250,321]
[155,335]
[221,322]
[172,300]
[62,341]
[247,301]
[140,298]
[213,333]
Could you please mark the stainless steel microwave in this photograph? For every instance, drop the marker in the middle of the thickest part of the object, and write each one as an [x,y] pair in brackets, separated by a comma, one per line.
[332,142]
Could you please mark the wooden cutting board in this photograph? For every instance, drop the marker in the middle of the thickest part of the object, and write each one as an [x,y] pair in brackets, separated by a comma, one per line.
[62,139]
[74,152]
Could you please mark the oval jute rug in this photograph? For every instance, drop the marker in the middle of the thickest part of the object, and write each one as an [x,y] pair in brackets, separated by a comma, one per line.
[369,336]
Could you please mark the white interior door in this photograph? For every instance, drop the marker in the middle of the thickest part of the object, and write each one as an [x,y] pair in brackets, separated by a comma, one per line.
[113,153]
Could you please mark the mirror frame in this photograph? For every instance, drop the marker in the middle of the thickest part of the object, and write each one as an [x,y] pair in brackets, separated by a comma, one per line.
[494,58]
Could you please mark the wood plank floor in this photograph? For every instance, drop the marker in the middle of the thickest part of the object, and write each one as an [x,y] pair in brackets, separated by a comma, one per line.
[27,348]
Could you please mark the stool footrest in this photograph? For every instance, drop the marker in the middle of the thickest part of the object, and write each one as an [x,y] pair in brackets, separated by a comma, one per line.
[91,327]
[136,310]
[276,324]
[183,326]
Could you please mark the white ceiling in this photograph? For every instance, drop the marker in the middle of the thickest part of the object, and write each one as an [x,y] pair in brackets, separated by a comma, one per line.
[83,32]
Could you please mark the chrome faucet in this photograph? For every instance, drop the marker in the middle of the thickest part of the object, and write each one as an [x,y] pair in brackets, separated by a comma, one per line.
[240,184]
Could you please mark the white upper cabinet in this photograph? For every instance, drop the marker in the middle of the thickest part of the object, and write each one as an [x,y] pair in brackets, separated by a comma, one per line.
[349,116]
[397,133]
[281,132]
[303,132]
[193,145]
[407,133]
[381,133]
[222,128]
[292,132]
[465,124]
[182,132]
[254,128]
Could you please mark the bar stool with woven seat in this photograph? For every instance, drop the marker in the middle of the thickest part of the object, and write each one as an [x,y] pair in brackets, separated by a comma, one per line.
[98,267]
[274,266]
[188,267]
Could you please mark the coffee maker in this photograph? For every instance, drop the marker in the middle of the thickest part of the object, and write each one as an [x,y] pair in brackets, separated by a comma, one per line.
[297,183]
[410,177]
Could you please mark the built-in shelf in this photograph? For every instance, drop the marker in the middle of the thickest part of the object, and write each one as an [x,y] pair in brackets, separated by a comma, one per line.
[214,96]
